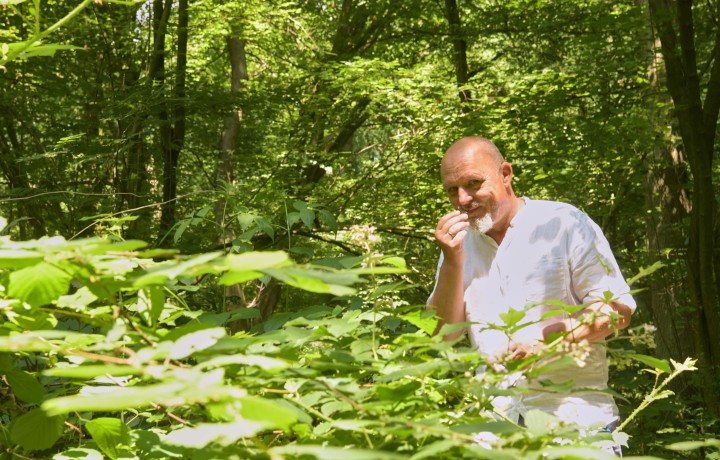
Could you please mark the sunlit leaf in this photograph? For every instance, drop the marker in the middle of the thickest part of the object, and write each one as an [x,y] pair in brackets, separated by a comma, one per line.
[160,273]
[655,363]
[78,453]
[110,434]
[18,258]
[196,341]
[89,371]
[39,284]
[335,453]
[224,434]
[512,317]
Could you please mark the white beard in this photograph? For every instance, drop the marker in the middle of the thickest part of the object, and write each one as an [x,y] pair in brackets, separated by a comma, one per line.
[482,224]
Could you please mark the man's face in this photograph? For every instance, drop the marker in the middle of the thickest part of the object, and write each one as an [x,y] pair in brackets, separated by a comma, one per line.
[479,187]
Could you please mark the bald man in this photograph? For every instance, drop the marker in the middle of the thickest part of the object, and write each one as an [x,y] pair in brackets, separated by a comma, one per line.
[500,251]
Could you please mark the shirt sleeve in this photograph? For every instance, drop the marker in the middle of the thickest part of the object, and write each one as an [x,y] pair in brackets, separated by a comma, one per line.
[593,269]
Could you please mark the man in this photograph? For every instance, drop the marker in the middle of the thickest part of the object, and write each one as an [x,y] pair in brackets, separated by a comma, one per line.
[500,251]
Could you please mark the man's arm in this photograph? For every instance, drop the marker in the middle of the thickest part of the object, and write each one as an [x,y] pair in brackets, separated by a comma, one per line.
[593,323]
[448,297]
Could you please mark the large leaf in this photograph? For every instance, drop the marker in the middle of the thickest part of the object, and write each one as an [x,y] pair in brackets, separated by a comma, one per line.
[110,434]
[334,453]
[92,370]
[188,387]
[18,258]
[36,430]
[78,453]
[322,282]
[39,285]
[47,340]
[268,412]
[25,386]
[221,433]
[655,363]
[173,269]
[151,303]
[247,266]
[196,341]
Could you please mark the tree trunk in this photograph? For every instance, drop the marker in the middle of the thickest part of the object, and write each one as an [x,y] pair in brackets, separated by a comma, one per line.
[452,14]
[224,172]
[172,129]
[697,124]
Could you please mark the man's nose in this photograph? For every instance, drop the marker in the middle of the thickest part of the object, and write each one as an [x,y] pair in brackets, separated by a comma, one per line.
[463,196]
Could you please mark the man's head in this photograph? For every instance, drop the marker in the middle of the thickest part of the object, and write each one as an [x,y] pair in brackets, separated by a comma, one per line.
[478,182]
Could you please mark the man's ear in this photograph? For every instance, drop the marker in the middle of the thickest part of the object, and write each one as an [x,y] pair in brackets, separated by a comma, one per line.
[506,170]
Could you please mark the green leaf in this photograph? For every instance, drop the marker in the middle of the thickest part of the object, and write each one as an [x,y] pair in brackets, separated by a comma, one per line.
[90,371]
[263,362]
[266,411]
[584,453]
[6,362]
[236,277]
[645,271]
[225,434]
[308,218]
[18,258]
[36,430]
[174,269]
[265,227]
[25,386]
[245,220]
[189,387]
[78,453]
[422,319]
[352,425]
[693,445]
[255,261]
[196,341]
[47,341]
[109,434]
[433,450]
[293,218]
[328,219]
[512,317]
[39,285]
[33,320]
[655,363]
[322,282]
[333,453]
[540,423]
[398,392]
[151,303]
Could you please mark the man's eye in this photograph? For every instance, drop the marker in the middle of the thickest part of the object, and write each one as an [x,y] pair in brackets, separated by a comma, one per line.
[452,191]
[475,183]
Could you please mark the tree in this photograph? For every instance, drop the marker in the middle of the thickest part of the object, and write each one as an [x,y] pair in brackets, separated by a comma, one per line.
[696,98]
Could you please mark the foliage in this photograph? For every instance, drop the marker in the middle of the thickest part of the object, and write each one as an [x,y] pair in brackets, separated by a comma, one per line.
[345,111]
[102,355]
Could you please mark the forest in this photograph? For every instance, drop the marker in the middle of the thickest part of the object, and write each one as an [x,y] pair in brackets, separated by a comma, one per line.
[217,221]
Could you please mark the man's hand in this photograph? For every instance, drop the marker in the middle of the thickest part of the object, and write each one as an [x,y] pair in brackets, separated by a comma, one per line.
[450,233]
[520,350]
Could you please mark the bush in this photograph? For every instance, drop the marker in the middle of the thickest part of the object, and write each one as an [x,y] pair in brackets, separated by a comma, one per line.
[103,356]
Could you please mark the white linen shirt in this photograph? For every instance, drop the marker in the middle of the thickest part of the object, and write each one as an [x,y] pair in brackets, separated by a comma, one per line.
[551,252]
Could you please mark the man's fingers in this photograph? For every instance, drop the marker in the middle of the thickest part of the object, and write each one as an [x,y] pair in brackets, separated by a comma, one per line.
[444,219]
